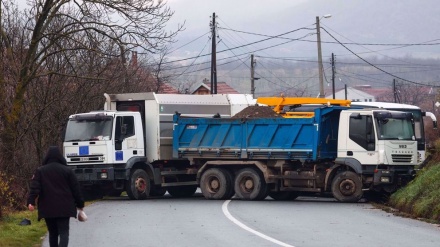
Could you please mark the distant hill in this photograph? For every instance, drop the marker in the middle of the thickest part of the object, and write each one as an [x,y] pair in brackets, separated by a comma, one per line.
[369,21]
[360,21]
[358,24]
[301,79]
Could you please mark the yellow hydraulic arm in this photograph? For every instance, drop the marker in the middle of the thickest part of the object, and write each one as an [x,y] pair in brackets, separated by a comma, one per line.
[279,102]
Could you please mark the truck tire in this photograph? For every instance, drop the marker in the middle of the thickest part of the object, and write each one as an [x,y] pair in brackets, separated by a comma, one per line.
[347,187]
[283,195]
[230,176]
[182,191]
[138,186]
[249,185]
[216,183]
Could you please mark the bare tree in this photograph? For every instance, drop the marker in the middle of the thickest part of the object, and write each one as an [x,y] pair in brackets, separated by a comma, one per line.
[58,58]
[80,43]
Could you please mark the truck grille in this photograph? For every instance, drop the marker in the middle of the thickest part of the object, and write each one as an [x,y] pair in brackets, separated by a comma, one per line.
[85,159]
[402,158]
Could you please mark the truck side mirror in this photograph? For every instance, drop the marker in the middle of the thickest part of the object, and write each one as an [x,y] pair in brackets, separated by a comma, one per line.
[124,129]
[356,115]
[369,125]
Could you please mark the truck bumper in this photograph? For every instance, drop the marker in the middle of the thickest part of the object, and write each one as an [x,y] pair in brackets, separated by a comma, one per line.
[94,175]
[391,176]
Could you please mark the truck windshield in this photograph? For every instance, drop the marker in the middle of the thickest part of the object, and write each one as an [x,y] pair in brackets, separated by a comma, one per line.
[395,128]
[89,129]
[418,122]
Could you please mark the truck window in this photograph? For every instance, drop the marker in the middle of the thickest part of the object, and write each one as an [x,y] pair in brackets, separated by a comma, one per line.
[89,128]
[362,132]
[124,127]
[395,129]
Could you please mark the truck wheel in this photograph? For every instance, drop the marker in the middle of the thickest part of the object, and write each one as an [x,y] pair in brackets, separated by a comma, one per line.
[264,192]
[138,187]
[231,191]
[283,195]
[182,191]
[249,185]
[216,183]
[347,187]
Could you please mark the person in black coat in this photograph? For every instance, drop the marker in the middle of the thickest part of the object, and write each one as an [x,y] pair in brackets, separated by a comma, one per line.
[57,191]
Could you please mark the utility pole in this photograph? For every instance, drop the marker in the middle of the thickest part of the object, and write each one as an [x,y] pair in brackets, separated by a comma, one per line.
[213,57]
[320,67]
[345,89]
[253,63]
[333,75]
[394,91]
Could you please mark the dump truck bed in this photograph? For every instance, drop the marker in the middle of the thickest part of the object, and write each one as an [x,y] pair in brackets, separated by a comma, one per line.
[263,138]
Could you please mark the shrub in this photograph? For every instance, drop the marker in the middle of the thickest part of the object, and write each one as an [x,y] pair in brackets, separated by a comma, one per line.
[421,197]
[12,195]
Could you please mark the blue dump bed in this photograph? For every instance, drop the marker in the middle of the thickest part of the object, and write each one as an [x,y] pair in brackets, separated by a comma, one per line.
[263,138]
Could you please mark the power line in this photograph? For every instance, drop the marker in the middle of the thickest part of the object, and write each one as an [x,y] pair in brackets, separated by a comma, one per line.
[188,43]
[386,72]
[252,43]
[371,51]
[184,66]
[270,36]
[194,59]
[412,65]
[427,43]
[242,61]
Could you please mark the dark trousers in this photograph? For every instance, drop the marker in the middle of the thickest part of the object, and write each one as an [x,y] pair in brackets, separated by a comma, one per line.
[58,227]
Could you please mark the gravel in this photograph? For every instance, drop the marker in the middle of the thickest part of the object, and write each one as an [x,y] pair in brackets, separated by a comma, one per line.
[257,112]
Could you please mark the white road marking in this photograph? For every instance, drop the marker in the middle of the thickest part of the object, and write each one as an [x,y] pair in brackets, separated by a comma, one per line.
[238,223]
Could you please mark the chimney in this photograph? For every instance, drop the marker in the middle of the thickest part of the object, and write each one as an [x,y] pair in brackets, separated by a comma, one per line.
[134,59]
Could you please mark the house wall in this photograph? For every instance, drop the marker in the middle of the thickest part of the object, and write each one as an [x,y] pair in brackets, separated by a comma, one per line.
[353,95]
[201,91]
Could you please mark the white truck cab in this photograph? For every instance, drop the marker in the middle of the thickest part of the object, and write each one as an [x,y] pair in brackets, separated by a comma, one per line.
[103,137]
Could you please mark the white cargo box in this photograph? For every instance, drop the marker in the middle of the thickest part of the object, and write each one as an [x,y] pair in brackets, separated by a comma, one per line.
[160,109]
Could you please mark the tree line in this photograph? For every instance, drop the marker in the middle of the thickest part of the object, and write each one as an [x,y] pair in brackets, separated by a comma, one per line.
[58,57]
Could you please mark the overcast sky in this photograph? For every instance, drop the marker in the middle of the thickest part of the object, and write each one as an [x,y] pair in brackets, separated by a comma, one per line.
[357,21]
[359,29]
[237,13]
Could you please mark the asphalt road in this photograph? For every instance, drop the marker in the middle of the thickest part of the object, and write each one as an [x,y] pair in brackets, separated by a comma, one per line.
[198,222]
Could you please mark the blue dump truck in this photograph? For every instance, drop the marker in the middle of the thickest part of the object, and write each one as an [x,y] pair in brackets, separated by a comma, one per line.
[142,148]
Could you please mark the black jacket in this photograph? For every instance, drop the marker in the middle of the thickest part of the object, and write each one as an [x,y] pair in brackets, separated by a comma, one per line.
[56,187]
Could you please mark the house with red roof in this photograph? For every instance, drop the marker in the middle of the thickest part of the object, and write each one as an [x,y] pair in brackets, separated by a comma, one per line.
[222,88]
[167,88]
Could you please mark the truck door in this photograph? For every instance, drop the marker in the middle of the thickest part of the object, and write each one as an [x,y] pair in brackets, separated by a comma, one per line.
[125,138]
[361,142]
